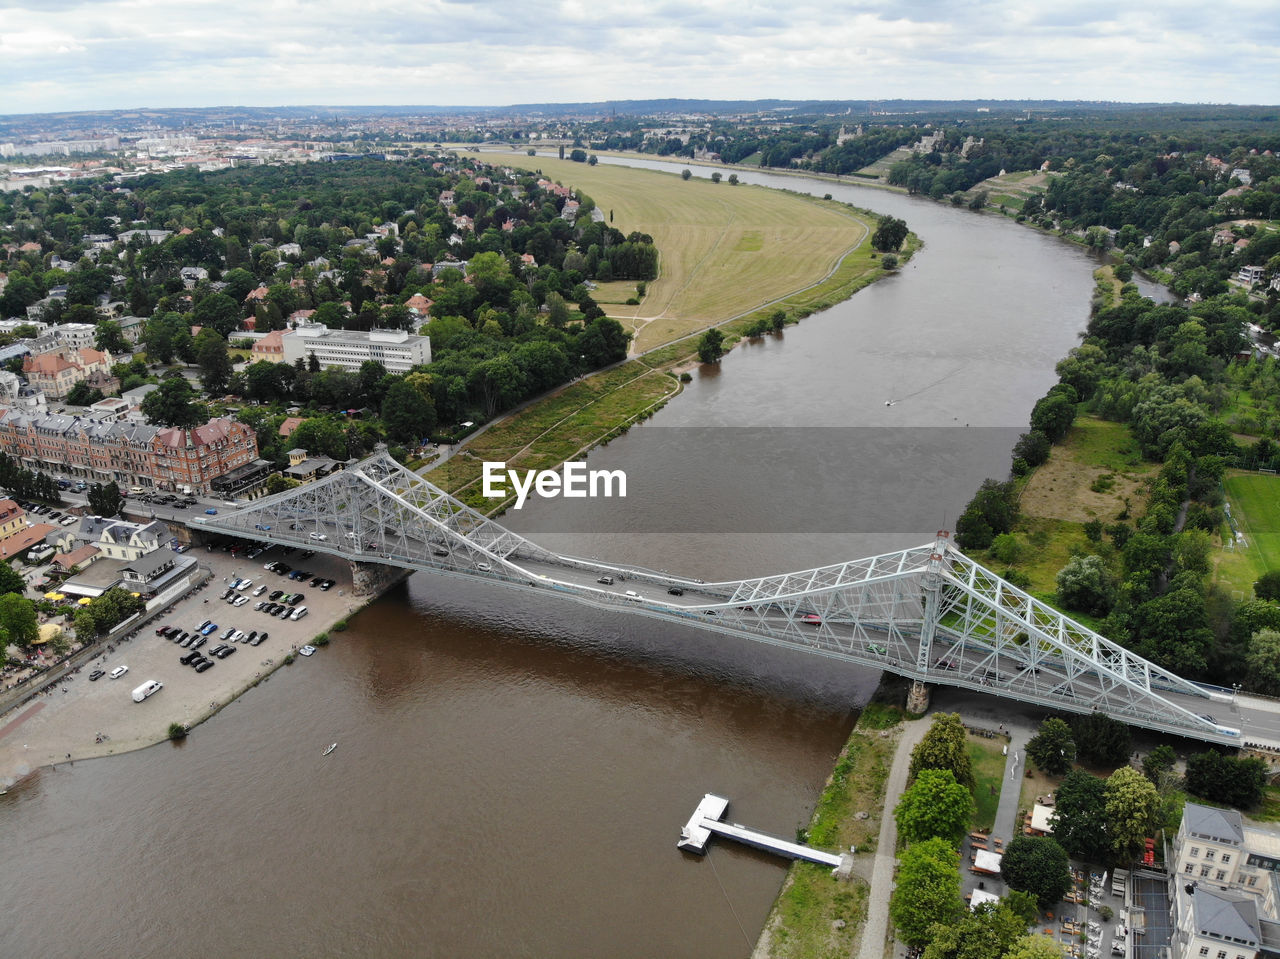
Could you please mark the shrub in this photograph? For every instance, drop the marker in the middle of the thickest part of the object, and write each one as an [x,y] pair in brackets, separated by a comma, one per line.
[177,731]
[322,639]
[340,626]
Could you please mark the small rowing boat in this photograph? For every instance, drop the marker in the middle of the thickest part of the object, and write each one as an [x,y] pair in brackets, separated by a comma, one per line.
[329,750]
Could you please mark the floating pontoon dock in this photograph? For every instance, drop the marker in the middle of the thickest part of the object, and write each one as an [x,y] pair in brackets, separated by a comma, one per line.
[705,822]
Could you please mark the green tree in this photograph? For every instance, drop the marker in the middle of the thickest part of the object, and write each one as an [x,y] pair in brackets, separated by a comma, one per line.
[1038,865]
[214,360]
[1263,660]
[1223,779]
[1053,415]
[890,234]
[1133,811]
[279,484]
[105,500]
[219,312]
[174,404]
[11,580]
[1036,947]
[1086,585]
[716,177]
[408,415]
[1101,740]
[934,805]
[1080,816]
[943,746]
[1267,586]
[928,890]
[711,346]
[82,394]
[1052,749]
[987,932]
[684,175]
[18,623]
[108,336]
[1157,765]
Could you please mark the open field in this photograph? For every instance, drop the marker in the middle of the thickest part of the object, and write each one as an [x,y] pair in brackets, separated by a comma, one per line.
[725,249]
[1089,476]
[1255,505]
[1013,189]
[562,426]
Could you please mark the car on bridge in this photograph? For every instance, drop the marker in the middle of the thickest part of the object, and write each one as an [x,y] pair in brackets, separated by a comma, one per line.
[211,512]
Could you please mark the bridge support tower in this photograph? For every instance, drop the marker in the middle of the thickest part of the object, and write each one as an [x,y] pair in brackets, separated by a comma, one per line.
[918,698]
[370,579]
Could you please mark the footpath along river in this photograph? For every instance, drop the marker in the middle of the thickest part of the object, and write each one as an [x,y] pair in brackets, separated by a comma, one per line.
[513,771]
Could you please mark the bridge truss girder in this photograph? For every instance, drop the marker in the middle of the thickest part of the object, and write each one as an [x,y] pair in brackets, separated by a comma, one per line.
[928,613]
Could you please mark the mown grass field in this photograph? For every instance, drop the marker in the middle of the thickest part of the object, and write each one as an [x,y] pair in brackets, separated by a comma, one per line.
[988,775]
[725,250]
[1255,504]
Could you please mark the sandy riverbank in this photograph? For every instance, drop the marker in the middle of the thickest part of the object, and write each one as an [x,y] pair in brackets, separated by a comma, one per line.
[64,725]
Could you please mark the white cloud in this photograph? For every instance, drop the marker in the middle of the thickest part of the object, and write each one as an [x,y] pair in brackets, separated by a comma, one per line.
[87,54]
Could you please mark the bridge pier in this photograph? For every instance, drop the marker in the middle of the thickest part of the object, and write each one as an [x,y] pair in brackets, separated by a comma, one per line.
[370,579]
[918,698]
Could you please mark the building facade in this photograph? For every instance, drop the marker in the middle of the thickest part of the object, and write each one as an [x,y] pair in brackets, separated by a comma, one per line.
[1226,895]
[105,449]
[397,350]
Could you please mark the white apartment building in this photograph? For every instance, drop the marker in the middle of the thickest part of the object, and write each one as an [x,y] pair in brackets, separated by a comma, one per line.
[397,350]
[1226,895]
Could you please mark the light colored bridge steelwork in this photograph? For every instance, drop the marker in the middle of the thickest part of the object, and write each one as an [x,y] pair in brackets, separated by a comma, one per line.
[928,613]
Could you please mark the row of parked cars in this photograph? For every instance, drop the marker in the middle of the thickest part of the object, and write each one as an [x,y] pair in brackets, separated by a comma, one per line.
[298,575]
[49,514]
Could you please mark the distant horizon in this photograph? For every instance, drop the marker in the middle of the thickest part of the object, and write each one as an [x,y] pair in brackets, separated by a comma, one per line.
[70,56]
[916,104]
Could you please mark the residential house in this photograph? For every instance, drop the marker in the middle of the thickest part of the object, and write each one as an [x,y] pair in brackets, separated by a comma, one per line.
[55,374]
[304,469]
[269,349]
[1250,275]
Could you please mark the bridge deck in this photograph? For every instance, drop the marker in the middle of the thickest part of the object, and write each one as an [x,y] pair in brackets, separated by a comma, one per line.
[929,613]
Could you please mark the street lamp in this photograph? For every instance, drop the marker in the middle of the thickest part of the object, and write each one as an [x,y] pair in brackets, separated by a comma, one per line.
[1235,691]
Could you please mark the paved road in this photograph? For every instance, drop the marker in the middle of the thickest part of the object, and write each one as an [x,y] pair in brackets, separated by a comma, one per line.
[876,927]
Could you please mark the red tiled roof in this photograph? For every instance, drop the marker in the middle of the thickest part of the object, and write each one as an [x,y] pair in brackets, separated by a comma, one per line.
[24,539]
[289,425]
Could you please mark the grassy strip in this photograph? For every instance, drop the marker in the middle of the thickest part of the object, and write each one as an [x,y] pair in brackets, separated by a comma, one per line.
[805,916]
[988,774]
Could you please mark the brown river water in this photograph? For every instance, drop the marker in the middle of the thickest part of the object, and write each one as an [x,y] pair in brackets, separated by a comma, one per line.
[513,770]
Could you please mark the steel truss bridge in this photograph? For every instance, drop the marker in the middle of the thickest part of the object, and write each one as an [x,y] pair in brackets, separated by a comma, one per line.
[929,613]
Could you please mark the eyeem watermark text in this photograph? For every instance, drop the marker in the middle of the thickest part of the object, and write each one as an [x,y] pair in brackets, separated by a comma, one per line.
[576,482]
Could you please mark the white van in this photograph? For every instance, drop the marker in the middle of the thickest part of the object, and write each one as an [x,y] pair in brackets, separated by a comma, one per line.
[146,689]
[298,613]
[318,536]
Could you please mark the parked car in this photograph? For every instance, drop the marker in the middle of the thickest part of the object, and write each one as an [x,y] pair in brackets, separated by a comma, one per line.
[260,590]
[244,584]
[211,512]
[224,652]
[96,675]
[205,665]
[209,629]
[327,585]
[299,613]
[119,671]
[316,581]
[258,640]
[190,658]
[275,594]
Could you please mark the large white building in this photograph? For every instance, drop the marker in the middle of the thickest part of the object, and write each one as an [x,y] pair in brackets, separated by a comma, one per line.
[1226,895]
[397,350]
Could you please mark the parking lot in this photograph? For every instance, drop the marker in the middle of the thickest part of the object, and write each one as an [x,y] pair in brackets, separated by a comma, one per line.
[71,722]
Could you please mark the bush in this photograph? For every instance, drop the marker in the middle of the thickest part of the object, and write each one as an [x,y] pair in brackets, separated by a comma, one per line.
[340,626]
[686,377]
[177,731]
[288,659]
[322,639]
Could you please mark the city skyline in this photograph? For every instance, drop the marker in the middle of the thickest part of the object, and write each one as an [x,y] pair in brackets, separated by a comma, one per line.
[69,55]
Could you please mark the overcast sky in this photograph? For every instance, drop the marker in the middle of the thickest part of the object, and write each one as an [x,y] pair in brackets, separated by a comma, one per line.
[60,55]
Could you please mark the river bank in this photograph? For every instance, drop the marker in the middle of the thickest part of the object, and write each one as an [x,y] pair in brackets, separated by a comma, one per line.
[83,719]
